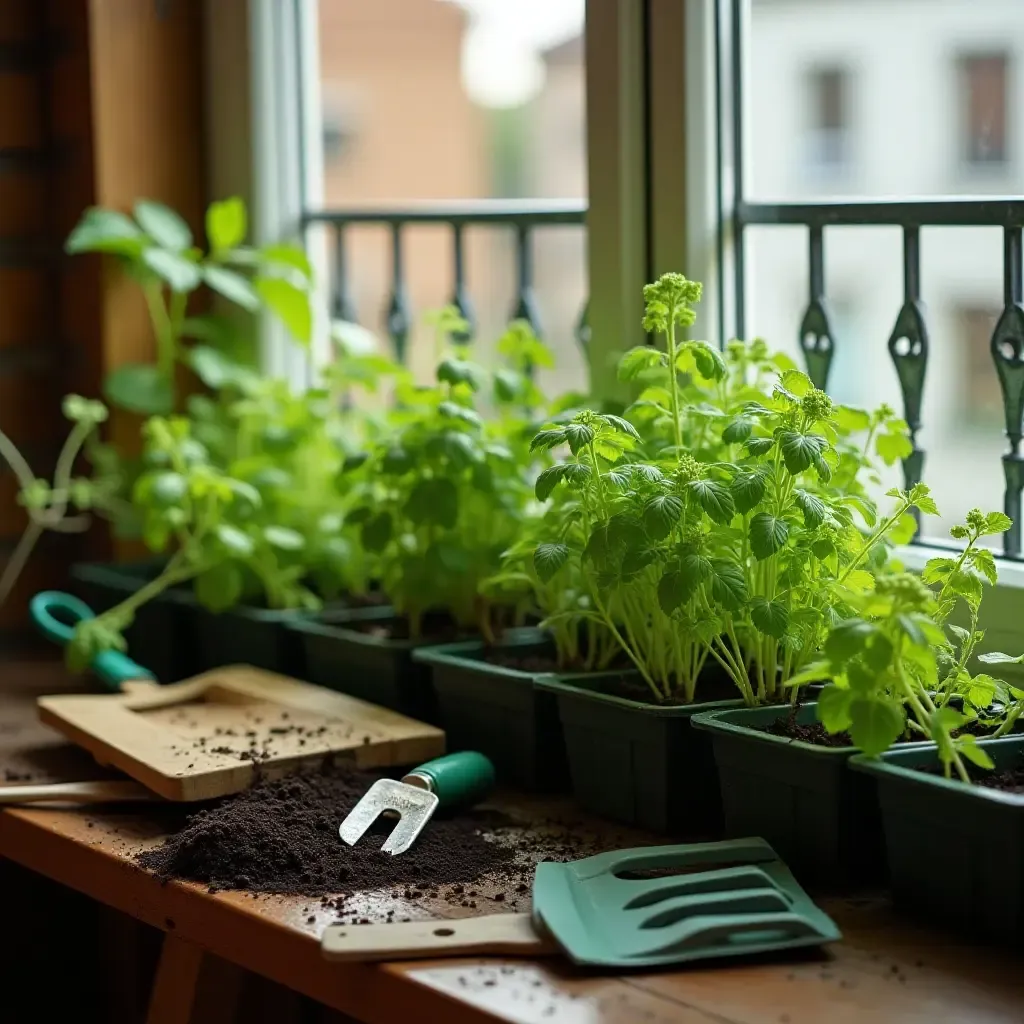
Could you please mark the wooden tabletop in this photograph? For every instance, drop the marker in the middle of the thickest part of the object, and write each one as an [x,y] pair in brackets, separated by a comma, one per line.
[885,970]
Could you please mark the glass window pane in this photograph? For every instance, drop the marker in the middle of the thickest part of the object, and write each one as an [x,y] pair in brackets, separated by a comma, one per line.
[891,99]
[435,101]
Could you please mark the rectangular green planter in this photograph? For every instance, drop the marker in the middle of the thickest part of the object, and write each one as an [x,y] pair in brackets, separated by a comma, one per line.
[955,852]
[822,818]
[499,711]
[637,763]
[339,655]
[245,635]
[159,638]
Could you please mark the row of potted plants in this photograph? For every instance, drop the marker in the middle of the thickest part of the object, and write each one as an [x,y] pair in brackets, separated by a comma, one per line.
[686,607]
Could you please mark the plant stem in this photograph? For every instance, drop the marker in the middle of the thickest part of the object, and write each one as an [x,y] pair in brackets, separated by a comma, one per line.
[673,379]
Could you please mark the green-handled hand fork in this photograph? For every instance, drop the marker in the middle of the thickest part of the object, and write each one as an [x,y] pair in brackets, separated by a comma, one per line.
[455,780]
[56,615]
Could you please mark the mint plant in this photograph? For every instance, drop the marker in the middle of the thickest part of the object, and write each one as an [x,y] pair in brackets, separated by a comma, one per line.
[441,495]
[732,526]
[155,248]
[895,672]
[190,510]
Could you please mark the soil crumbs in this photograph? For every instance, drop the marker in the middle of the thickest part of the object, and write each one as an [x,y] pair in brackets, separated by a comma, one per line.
[281,836]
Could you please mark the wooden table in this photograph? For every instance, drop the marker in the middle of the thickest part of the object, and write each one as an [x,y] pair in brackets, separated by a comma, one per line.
[885,970]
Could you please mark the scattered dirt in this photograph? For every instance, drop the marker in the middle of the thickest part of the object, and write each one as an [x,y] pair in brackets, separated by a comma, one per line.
[281,836]
[1009,781]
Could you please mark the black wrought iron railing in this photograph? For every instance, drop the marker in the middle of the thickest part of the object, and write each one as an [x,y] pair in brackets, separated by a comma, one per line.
[524,218]
[908,339]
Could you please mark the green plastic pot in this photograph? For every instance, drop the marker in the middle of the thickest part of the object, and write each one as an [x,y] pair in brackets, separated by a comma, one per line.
[378,669]
[634,762]
[822,818]
[159,637]
[498,710]
[245,635]
[955,852]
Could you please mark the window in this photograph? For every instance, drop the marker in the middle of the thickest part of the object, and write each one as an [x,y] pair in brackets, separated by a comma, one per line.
[983,109]
[444,102]
[828,128]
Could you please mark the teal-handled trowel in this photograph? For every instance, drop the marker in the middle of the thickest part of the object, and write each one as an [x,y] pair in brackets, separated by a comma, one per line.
[455,780]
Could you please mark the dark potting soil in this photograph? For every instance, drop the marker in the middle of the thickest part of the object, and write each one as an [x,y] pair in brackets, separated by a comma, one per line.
[281,836]
[1009,780]
[815,733]
[438,629]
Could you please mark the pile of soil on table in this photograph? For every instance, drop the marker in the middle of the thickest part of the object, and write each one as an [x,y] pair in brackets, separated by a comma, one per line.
[281,836]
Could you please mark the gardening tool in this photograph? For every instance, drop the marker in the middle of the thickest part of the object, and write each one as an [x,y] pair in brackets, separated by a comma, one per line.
[106,792]
[211,735]
[644,907]
[454,780]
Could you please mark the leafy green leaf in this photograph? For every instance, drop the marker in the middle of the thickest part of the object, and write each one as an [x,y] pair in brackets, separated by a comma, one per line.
[141,388]
[678,585]
[851,420]
[572,472]
[998,658]
[728,584]
[996,522]
[747,490]
[833,709]
[283,538]
[288,256]
[638,360]
[892,447]
[937,570]
[579,435]
[163,225]
[796,382]
[106,231]
[434,500]
[548,559]
[800,450]
[847,639]
[621,424]
[235,541]
[812,507]
[878,653]
[967,746]
[967,585]
[760,445]
[985,562]
[547,439]
[226,223]
[737,431]
[181,274]
[661,514]
[771,617]
[232,286]
[768,534]
[458,371]
[904,530]
[715,498]
[455,411]
[290,304]
[708,361]
[875,723]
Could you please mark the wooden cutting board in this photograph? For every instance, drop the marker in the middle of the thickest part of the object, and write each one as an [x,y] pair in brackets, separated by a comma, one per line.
[214,734]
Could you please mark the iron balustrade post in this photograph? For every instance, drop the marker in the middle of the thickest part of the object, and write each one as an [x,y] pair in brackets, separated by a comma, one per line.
[908,347]
[398,316]
[1007,348]
[816,337]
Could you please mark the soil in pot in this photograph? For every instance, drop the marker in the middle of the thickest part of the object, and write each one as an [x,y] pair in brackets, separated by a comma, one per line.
[784,778]
[281,836]
[487,701]
[955,851]
[637,761]
[159,638]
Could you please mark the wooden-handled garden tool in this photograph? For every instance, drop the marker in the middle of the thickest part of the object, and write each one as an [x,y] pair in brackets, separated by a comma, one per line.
[456,780]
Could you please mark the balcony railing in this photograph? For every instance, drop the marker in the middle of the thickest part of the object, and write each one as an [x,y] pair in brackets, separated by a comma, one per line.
[523,218]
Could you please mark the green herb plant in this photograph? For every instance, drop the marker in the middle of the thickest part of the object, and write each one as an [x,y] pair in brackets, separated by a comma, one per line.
[156,249]
[897,675]
[52,505]
[190,511]
[734,527]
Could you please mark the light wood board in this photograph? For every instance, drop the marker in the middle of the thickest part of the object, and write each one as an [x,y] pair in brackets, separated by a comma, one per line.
[212,735]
